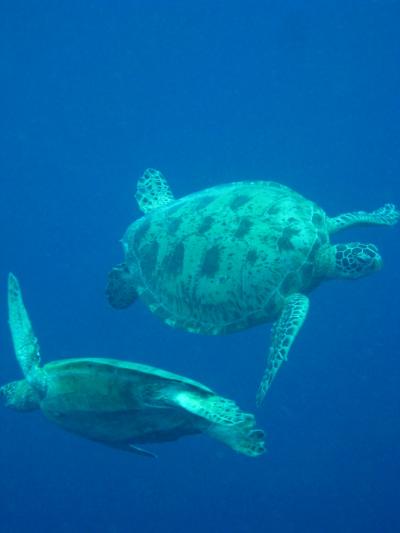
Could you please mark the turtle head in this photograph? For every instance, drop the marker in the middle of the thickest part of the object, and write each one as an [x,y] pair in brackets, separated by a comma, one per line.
[348,261]
[19,395]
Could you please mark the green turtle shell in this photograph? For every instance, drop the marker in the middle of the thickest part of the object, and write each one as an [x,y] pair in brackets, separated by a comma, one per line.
[114,401]
[225,259]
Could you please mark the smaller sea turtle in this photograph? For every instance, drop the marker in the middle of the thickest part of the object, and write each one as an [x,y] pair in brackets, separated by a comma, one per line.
[119,403]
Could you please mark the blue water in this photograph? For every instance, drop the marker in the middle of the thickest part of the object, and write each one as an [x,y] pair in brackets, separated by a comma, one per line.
[306,93]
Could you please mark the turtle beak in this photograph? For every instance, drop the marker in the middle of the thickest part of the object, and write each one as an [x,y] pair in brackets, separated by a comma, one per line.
[372,257]
[378,264]
[369,260]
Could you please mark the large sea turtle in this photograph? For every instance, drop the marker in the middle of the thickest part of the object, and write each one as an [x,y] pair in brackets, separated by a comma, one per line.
[120,403]
[236,255]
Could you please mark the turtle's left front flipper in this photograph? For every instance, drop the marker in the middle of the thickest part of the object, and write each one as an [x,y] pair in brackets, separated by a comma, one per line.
[26,345]
[284,332]
[228,423]
[388,215]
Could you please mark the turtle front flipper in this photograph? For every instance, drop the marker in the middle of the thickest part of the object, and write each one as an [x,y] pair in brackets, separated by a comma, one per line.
[284,332]
[388,215]
[121,287]
[153,191]
[26,345]
[228,423]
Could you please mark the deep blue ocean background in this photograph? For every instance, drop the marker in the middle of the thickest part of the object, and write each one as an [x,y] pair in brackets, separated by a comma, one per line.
[306,93]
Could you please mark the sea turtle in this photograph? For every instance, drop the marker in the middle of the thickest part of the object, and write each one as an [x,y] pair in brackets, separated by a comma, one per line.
[237,255]
[120,403]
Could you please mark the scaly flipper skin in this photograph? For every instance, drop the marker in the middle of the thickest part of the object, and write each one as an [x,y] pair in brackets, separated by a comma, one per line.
[284,332]
[25,342]
[227,422]
[153,191]
[388,215]
[216,409]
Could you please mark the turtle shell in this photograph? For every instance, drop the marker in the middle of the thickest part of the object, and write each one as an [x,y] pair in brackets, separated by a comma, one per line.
[224,259]
[117,402]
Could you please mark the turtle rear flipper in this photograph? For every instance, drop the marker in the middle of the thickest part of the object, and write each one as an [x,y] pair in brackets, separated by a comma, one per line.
[131,448]
[121,287]
[228,423]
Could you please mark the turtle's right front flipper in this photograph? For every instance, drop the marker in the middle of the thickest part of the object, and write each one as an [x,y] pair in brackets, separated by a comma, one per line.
[228,423]
[26,345]
[284,332]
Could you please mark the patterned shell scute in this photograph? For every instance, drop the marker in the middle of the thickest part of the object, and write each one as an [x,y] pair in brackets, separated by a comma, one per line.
[224,259]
